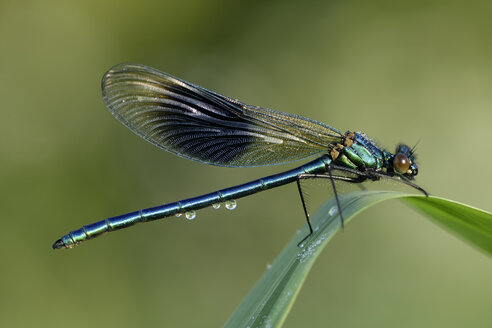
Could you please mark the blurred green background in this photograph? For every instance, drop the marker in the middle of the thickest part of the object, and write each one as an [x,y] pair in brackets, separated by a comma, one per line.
[412,71]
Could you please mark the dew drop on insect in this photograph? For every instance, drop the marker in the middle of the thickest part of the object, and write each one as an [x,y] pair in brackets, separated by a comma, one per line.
[216,206]
[332,211]
[178,214]
[190,215]
[230,204]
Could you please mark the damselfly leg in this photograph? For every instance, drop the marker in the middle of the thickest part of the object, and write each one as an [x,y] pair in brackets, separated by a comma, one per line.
[358,178]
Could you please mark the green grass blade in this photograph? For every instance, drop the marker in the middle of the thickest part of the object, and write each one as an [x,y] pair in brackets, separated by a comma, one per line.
[269,302]
[468,223]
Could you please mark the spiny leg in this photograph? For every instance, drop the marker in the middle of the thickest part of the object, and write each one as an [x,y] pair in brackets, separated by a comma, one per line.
[301,176]
[402,180]
[373,175]
[336,195]
[358,179]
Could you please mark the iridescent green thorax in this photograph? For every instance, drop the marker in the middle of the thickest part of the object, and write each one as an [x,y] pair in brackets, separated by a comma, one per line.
[358,152]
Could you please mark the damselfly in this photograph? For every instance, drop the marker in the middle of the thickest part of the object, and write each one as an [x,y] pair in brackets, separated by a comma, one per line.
[195,123]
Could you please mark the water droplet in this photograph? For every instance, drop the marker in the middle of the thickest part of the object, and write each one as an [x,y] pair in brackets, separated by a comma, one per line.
[230,204]
[178,214]
[190,215]
[268,266]
[332,211]
[216,206]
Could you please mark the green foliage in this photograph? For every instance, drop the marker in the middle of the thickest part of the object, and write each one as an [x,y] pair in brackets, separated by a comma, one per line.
[471,224]
[269,302]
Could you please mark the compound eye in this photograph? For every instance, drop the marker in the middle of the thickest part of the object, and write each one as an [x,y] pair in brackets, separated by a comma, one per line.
[401,163]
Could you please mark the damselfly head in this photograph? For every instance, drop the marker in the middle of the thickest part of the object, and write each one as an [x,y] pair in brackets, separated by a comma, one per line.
[404,162]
